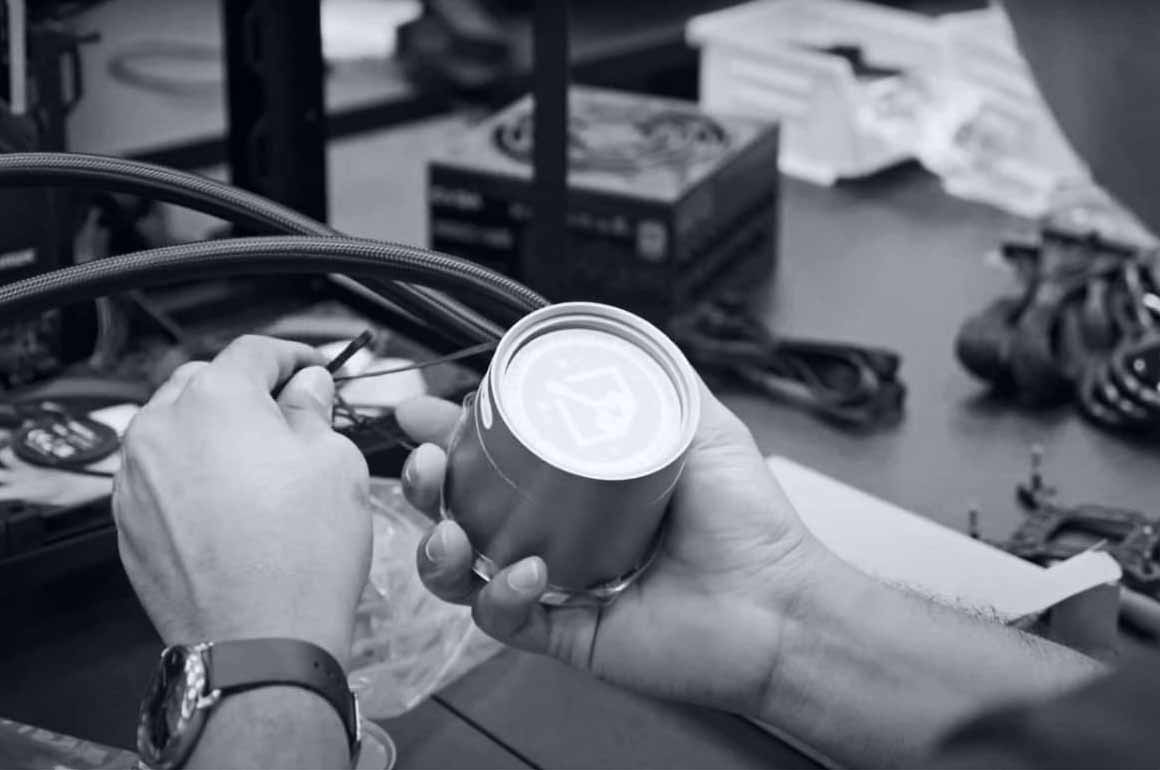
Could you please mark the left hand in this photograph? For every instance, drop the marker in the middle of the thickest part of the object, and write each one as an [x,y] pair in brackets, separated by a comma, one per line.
[240,515]
[702,624]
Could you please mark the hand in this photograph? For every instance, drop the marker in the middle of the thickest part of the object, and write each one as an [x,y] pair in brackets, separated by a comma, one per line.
[744,610]
[239,515]
[700,625]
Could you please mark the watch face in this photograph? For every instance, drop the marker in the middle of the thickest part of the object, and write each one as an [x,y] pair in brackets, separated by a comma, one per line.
[170,719]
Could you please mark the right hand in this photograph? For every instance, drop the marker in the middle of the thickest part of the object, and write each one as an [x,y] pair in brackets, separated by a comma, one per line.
[242,515]
[702,624]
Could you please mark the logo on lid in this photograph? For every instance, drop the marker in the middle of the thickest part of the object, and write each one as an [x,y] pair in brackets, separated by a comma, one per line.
[592,402]
[596,407]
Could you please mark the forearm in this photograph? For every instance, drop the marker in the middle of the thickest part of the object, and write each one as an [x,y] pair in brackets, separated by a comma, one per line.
[285,727]
[873,675]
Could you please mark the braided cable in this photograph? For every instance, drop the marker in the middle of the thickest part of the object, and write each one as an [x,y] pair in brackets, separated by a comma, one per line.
[258,256]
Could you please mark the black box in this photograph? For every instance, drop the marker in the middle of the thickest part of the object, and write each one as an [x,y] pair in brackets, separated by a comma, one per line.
[666,203]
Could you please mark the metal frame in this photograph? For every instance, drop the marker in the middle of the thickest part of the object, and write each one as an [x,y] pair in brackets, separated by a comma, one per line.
[275,113]
[550,81]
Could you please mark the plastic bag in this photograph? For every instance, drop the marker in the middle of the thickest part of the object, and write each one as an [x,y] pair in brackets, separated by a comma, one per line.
[408,644]
[34,748]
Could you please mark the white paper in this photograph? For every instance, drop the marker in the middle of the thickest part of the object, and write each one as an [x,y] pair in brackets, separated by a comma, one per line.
[388,390]
[902,548]
[116,417]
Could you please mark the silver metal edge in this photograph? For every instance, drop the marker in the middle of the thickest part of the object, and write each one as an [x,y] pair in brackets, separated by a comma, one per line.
[593,315]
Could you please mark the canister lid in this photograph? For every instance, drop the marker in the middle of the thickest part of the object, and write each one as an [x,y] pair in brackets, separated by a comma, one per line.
[596,391]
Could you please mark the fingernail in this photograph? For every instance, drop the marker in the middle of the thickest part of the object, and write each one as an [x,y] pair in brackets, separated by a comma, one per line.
[525,576]
[410,473]
[436,547]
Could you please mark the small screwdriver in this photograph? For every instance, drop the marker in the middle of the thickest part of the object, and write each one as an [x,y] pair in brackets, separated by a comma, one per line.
[357,344]
[336,363]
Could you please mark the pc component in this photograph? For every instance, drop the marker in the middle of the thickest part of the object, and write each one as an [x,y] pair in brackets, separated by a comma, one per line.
[1085,328]
[64,441]
[666,202]
[1053,532]
[1122,391]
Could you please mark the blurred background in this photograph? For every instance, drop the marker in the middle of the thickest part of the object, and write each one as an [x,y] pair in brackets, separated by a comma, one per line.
[859,220]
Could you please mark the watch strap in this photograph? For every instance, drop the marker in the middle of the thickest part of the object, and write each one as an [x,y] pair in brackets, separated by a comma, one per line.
[246,664]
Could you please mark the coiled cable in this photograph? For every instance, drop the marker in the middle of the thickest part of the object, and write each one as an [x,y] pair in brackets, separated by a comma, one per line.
[850,385]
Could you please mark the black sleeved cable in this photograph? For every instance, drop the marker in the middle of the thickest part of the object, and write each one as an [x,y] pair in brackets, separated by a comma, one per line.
[264,255]
[437,337]
[66,169]
[460,321]
[226,202]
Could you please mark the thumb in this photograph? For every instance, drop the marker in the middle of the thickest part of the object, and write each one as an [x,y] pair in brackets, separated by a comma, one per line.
[307,400]
[508,608]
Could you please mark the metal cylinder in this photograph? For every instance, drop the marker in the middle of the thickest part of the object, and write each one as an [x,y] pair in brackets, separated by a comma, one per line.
[571,448]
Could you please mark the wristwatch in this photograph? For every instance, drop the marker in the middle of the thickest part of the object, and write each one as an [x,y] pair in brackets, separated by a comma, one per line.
[192,679]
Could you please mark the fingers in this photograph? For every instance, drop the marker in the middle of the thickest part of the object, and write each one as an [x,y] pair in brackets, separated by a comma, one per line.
[265,361]
[307,400]
[508,608]
[423,478]
[444,559]
[175,385]
[428,420]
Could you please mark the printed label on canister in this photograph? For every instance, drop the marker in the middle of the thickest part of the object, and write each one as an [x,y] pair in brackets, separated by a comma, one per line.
[593,403]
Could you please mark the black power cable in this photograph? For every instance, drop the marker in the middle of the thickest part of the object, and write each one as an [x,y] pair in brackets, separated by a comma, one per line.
[849,385]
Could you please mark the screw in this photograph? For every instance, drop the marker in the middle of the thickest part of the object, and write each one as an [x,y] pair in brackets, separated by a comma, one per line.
[1036,481]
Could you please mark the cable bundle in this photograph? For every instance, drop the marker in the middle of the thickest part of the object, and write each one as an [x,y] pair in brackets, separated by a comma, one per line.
[408,278]
[850,385]
[1085,328]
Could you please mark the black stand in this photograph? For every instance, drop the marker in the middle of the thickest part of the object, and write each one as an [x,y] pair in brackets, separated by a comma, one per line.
[546,260]
[276,142]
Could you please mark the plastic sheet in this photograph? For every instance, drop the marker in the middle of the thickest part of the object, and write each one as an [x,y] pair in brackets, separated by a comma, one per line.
[952,92]
[408,644]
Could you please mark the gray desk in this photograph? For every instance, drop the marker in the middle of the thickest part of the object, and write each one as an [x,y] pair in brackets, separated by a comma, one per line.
[892,261]
[897,262]
[889,261]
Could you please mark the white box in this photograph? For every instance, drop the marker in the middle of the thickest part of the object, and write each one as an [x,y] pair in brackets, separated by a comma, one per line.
[763,59]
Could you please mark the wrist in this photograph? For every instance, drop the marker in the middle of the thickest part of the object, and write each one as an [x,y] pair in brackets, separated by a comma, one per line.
[274,726]
[817,602]
[277,687]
